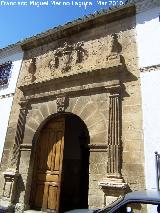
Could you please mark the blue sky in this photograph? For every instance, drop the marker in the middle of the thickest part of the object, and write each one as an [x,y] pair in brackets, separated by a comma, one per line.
[22,21]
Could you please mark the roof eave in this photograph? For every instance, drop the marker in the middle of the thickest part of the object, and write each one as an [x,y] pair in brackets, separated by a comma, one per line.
[78,26]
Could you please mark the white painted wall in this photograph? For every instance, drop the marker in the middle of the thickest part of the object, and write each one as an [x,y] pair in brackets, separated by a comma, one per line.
[16,58]
[15,55]
[148,37]
[150,85]
[148,43]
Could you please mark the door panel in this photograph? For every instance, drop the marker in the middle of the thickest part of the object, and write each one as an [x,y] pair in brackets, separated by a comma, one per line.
[48,165]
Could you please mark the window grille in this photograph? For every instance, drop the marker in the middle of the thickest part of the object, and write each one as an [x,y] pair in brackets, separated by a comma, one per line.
[5,72]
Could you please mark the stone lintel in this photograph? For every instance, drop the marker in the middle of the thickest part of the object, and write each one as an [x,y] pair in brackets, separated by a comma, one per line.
[104,86]
[109,73]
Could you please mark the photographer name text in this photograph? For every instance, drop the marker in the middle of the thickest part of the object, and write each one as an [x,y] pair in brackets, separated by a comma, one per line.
[83,4]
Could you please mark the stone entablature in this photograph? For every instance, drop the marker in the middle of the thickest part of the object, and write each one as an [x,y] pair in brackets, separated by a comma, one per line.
[68,60]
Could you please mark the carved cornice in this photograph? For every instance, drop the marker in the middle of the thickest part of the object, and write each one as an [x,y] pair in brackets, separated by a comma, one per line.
[72,90]
[112,184]
[76,26]
[92,80]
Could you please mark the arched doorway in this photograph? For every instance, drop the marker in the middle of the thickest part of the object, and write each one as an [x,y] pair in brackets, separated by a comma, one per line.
[61,165]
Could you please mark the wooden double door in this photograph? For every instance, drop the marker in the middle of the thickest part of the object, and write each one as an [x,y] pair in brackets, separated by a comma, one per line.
[47,171]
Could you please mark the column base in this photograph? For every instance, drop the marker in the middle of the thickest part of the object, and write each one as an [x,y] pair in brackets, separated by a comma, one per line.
[113,182]
[113,188]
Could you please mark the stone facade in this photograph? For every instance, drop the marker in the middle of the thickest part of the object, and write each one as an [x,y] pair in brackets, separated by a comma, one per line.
[88,70]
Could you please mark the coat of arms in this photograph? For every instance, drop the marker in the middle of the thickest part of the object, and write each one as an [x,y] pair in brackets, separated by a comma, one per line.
[66,56]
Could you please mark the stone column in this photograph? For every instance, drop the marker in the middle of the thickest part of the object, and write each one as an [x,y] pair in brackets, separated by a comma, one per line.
[114,137]
[11,175]
[113,185]
[14,163]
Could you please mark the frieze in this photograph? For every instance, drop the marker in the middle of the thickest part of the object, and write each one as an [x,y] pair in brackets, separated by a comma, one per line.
[74,58]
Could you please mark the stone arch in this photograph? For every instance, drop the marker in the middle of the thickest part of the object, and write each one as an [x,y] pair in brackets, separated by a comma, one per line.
[89,112]
[36,118]
[83,107]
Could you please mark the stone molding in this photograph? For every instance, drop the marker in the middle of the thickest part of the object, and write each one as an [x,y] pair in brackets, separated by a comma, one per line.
[25,147]
[98,147]
[113,184]
[72,90]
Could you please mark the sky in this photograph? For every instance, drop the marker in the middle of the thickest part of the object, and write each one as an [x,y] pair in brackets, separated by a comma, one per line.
[20,19]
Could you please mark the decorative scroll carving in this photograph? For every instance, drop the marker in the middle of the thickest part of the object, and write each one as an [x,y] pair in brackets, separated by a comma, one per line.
[114,139]
[64,57]
[5,72]
[61,102]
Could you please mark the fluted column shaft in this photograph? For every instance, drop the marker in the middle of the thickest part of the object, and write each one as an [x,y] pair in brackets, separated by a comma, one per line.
[114,137]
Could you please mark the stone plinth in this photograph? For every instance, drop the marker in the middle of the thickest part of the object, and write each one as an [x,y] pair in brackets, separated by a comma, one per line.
[112,188]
